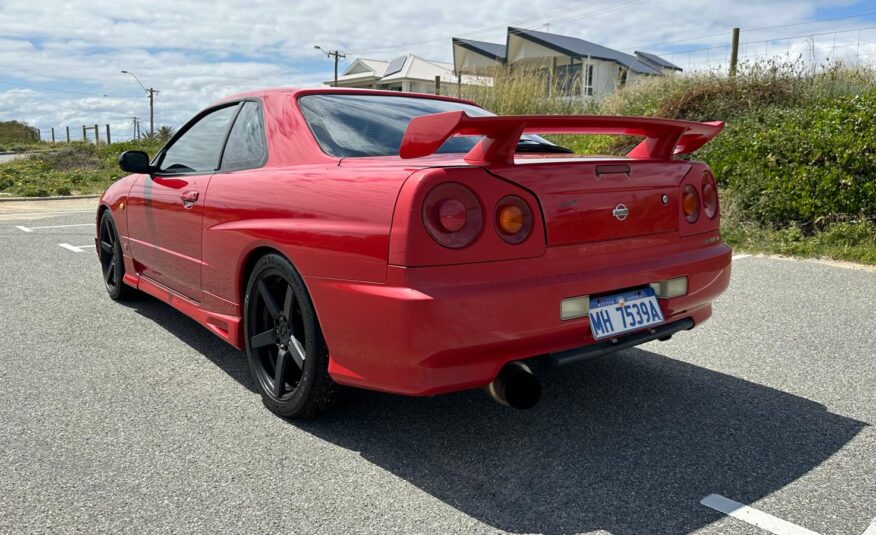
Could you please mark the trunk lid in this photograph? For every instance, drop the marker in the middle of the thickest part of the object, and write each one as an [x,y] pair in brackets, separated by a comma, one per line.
[598,200]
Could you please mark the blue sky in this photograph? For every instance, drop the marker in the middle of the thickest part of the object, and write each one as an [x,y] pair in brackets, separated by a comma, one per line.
[60,62]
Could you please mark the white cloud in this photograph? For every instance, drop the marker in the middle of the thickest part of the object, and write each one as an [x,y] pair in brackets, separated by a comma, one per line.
[196,52]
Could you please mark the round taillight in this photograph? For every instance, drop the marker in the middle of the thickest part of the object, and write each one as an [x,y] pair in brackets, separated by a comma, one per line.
[452,215]
[513,219]
[710,196]
[690,203]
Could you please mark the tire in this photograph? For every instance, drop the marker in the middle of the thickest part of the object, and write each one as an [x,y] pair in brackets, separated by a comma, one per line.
[112,262]
[287,354]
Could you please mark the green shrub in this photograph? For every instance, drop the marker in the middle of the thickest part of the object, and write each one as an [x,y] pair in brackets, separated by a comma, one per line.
[811,165]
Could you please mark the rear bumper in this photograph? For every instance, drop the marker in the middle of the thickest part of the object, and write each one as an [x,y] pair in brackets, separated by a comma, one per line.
[431,330]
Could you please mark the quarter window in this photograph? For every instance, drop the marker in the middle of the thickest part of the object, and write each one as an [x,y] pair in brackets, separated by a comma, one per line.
[246,144]
[197,150]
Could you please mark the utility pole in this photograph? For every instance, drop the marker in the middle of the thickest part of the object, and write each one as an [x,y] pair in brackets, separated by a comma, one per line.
[151,92]
[734,52]
[337,54]
[136,121]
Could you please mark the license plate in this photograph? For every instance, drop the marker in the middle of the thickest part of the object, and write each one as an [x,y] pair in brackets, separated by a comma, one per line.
[624,312]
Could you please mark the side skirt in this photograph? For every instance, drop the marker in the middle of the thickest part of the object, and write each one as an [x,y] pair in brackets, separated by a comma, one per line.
[226,327]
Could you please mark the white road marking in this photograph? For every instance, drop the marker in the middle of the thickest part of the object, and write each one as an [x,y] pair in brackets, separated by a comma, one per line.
[872,529]
[14,214]
[31,229]
[738,256]
[75,248]
[752,516]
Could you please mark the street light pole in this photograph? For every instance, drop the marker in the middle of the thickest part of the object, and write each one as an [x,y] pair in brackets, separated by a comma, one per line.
[151,94]
[337,54]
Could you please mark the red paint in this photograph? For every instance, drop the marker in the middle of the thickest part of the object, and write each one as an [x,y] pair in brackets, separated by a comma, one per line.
[399,311]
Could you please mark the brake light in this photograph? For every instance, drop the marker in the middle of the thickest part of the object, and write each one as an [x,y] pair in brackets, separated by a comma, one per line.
[710,196]
[452,215]
[513,219]
[690,203]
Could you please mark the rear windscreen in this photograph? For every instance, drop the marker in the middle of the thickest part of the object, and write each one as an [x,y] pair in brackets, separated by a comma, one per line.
[373,125]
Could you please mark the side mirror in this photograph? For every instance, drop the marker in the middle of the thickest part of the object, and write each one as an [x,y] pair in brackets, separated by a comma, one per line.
[135,161]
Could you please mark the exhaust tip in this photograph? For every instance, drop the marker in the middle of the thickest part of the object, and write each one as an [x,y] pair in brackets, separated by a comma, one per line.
[515,386]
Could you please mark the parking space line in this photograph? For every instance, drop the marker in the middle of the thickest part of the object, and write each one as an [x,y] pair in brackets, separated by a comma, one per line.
[75,248]
[738,256]
[31,229]
[752,516]
[872,529]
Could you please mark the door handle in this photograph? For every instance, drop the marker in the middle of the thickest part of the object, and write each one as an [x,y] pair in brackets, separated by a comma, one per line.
[189,198]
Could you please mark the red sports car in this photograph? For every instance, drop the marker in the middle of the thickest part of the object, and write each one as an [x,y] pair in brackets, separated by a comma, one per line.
[414,244]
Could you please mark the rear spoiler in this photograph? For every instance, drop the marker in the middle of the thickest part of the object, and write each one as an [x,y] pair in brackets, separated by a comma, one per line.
[663,137]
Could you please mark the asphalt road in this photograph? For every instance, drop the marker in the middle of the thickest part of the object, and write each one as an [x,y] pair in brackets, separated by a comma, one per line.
[130,418]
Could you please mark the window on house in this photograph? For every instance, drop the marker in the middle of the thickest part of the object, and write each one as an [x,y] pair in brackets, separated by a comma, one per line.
[569,79]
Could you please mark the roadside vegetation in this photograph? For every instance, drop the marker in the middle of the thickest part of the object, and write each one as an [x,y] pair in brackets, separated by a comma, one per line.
[16,136]
[796,160]
[68,169]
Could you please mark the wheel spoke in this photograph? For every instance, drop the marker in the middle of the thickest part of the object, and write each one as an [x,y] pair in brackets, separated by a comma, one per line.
[266,338]
[280,372]
[270,303]
[287,303]
[110,271]
[106,247]
[296,350]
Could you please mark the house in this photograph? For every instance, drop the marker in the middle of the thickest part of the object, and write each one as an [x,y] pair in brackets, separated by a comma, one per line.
[575,66]
[407,73]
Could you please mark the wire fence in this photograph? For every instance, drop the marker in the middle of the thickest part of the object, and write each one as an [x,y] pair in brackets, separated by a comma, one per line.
[853,47]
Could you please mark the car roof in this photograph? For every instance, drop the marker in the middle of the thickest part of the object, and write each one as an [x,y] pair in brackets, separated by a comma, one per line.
[297,92]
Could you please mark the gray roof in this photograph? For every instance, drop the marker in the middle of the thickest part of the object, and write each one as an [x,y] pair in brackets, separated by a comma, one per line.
[579,48]
[492,50]
[654,59]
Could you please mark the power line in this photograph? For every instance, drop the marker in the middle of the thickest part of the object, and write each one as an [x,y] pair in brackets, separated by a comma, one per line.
[749,30]
[27,85]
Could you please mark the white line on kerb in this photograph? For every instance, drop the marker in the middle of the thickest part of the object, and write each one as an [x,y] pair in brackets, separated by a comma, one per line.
[738,256]
[75,248]
[752,516]
[31,229]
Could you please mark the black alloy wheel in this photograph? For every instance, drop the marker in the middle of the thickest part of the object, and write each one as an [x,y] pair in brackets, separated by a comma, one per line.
[111,262]
[286,352]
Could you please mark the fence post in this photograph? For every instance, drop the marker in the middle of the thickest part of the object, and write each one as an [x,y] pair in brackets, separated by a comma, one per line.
[734,52]
[108,140]
[437,84]
[84,135]
[53,135]
[96,135]
[68,134]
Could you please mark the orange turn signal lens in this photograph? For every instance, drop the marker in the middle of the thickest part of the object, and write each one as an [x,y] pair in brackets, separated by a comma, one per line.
[513,219]
[690,203]
[510,219]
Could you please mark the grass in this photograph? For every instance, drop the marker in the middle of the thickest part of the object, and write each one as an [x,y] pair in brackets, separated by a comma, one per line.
[77,168]
[852,241]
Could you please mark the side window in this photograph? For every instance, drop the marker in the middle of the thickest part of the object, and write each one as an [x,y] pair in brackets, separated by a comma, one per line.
[246,147]
[198,148]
